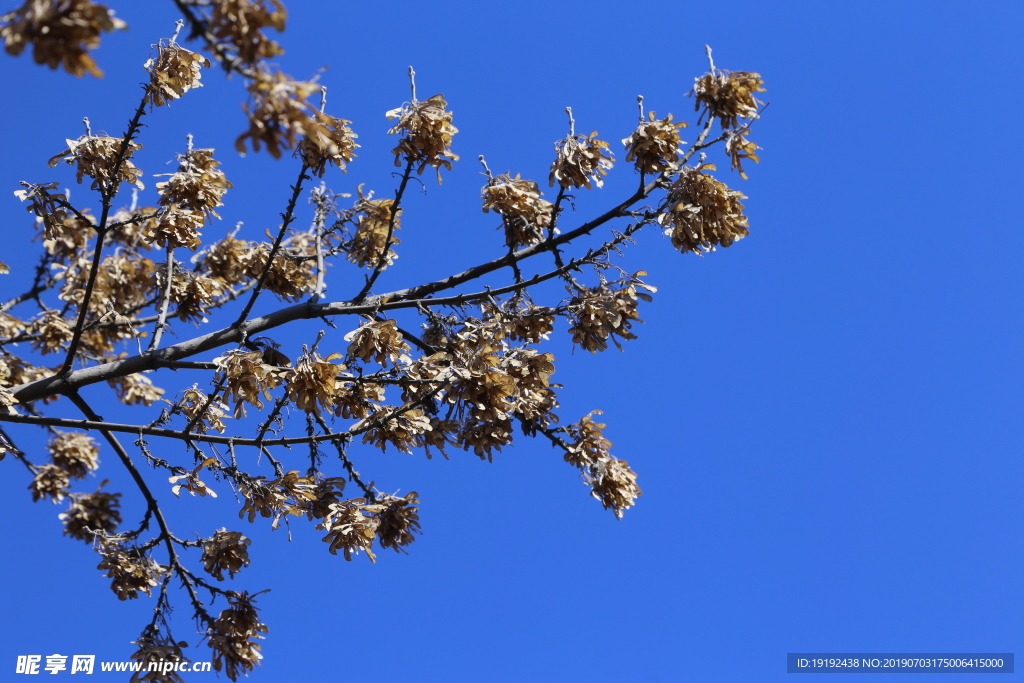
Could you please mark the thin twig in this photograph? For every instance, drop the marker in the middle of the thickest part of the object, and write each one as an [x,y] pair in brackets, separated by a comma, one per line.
[161,321]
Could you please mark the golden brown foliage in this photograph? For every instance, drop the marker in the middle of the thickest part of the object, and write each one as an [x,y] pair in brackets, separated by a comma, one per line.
[701,213]
[75,453]
[604,313]
[581,161]
[427,132]
[654,146]
[92,515]
[61,32]
[96,156]
[232,636]
[611,480]
[238,25]
[173,72]
[333,143]
[366,249]
[199,185]
[526,216]
[312,385]
[280,114]
[728,95]
[225,551]
[132,571]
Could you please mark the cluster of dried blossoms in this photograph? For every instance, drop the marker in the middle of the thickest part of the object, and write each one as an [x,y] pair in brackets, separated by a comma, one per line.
[107,160]
[375,220]
[525,214]
[654,146]
[234,634]
[173,72]
[132,571]
[237,262]
[611,480]
[606,312]
[60,32]
[427,131]
[729,96]
[352,526]
[225,551]
[581,161]
[701,213]
[467,382]
[190,197]
[92,515]
[282,118]
[237,25]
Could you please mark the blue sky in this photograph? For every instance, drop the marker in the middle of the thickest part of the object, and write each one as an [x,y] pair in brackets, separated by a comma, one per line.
[824,417]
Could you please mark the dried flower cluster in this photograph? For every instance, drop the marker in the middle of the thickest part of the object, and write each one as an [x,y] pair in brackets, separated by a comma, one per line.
[654,145]
[52,332]
[232,636]
[701,213]
[134,390]
[191,292]
[611,480]
[97,156]
[238,26]
[604,313]
[61,32]
[75,453]
[370,244]
[334,143]
[379,341]
[225,551]
[248,377]
[153,649]
[581,161]
[287,495]
[526,216]
[49,210]
[132,571]
[233,261]
[312,385]
[124,283]
[427,132]
[403,429]
[281,114]
[728,95]
[190,196]
[51,481]
[189,480]
[173,72]
[214,412]
[353,525]
[738,147]
[92,515]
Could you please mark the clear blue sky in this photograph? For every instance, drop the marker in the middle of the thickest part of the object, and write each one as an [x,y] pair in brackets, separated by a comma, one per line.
[825,417]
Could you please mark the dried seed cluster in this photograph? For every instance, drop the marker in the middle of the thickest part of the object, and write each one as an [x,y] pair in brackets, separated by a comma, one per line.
[701,213]
[96,156]
[427,132]
[654,145]
[581,161]
[611,480]
[173,72]
[604,313]
[526,216]
[60,32]
[233,636]
[225,551]
[92,515]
